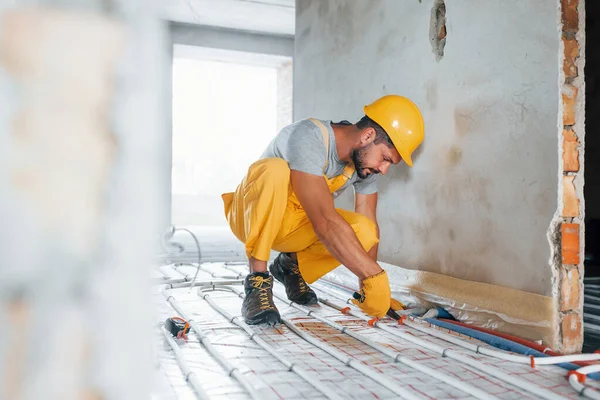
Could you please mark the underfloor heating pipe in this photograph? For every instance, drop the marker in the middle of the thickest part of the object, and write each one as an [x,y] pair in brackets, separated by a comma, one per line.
[311,380]
[202,338]
[582,389]
[524,342]
[508,345]
[543,360]
[171,233]
[190,376]
[395,356]
[348,360]
[446,352]
[203,269]
[326,303]
[592,298]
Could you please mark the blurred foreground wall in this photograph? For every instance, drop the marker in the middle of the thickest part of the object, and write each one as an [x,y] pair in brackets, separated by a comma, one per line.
[82,122]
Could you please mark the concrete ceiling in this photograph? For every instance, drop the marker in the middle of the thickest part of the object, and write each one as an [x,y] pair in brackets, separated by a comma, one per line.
[263,16]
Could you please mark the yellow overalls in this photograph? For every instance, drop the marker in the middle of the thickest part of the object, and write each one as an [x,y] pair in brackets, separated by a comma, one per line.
[264,213]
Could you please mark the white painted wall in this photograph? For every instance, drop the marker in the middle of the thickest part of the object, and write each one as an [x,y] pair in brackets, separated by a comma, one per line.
[479,200]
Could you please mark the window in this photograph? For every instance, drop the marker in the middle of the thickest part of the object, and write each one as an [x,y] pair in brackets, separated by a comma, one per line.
[224,115]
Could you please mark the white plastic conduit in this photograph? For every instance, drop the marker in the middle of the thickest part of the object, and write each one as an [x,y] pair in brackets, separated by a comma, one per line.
[170,235]
[590,297]
[397,357]
[592,306]
[588,369]
[202,338]
[445,352]
[214,284]
[550,360]
[190,376]
[517,358]
[351,362]
[581,389]
[591,316]
[202,268]
[185,279]
[348,360]
[311,380]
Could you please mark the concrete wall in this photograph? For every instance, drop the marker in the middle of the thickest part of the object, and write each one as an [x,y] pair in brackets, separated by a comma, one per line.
[478,203]
[285,91]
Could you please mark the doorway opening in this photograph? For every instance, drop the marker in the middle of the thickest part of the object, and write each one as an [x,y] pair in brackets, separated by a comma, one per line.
[592,178]
[227,107]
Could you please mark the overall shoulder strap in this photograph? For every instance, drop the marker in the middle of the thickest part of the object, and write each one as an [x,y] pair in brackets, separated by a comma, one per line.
[325,134]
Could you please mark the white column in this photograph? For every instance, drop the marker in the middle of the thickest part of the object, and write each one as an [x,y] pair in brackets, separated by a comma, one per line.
[82,120]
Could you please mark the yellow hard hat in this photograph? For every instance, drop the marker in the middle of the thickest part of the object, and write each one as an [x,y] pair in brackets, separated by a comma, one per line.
[401,120]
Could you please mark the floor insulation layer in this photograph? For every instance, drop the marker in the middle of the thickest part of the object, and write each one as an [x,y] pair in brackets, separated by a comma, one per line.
[320,352]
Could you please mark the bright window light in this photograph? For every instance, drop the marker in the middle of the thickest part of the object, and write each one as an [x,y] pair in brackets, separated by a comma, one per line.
[224,115]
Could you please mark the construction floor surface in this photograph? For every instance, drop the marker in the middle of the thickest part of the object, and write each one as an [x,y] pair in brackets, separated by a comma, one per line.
[323,353]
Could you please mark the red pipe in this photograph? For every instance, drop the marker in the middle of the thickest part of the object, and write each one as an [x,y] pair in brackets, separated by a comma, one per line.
[524,342]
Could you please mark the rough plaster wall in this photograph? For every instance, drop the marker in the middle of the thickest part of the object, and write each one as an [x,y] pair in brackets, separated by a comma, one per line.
[479,200]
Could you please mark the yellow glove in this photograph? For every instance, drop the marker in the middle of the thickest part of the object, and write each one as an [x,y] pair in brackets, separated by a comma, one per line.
[375,296]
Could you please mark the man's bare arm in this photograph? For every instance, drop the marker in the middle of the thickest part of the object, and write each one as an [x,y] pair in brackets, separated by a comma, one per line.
[331,229]
[366,204]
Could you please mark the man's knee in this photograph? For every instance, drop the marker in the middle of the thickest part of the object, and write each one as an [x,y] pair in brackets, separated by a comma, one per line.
[366,231]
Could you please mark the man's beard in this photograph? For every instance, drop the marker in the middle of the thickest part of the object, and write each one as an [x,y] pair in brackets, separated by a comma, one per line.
[358,159]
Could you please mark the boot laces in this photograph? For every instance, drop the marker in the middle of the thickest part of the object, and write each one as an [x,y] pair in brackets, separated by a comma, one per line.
[301,282]
[263,285]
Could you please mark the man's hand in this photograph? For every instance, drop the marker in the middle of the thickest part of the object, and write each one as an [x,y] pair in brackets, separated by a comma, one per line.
[375,296]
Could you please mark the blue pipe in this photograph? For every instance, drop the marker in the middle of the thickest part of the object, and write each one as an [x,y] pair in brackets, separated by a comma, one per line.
[504,344]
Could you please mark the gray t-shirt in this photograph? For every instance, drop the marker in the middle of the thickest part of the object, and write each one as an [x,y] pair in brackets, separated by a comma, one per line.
[301,145]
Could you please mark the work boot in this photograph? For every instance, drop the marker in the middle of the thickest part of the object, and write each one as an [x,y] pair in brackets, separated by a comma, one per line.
[285,269]
[258,307]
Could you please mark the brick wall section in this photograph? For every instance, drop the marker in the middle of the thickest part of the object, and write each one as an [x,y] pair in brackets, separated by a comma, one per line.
[570,302]
[284,95]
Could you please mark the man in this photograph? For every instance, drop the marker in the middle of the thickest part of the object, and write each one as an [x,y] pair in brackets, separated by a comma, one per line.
[285,203]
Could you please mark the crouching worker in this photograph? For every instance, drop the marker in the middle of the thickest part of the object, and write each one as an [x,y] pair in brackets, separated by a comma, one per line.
[285,203]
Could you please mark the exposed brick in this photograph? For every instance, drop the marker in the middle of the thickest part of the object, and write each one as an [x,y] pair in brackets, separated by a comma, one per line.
[569,289]
[442,34]
[571,332]
[571,53]
[570,151]
[570,199]
[570,243]
[569,15]
[569,96]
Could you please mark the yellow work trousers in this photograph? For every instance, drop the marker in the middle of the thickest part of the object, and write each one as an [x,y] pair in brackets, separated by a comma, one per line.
[264,214]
